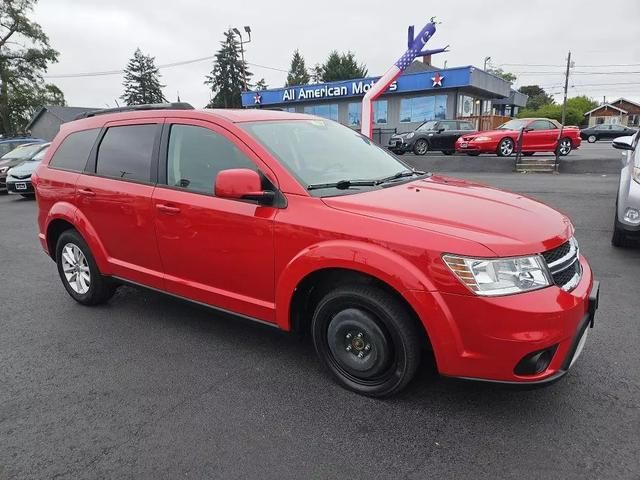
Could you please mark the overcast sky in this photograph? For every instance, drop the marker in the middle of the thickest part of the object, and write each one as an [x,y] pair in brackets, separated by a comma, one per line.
[97,36]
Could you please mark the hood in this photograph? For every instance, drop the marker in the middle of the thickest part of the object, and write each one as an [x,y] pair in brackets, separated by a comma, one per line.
[25,168]
[507,223]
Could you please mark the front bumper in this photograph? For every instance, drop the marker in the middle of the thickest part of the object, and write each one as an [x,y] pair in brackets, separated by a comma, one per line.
[15,186]
[475,147]
[485,338]
[397,145]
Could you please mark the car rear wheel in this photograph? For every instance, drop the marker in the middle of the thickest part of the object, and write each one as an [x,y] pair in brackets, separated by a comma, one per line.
[367,339]
[420,147]
[79,272]
[564,147]
[592,139]
[505,147]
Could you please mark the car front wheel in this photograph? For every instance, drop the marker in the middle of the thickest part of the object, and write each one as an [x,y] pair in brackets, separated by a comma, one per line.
[367,339]
[505,147]
[79,272]
[420,147]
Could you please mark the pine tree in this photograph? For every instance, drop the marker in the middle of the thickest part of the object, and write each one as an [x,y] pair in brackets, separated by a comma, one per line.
[298,74]
[261,84]
[142,81]
[228,76]
[342,67]
[316,73]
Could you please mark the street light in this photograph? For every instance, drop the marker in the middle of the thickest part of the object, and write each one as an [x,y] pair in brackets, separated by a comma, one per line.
[486,60]
[247,29]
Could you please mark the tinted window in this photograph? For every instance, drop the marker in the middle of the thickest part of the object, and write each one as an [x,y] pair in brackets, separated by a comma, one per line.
[380,108]
[446,126]
[126,152]
[197,154]
[74,151]
[329,111]
[420,109]
[354,112]
[466,126]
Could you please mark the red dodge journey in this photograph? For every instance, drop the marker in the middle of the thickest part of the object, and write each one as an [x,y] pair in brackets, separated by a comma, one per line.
[303,224]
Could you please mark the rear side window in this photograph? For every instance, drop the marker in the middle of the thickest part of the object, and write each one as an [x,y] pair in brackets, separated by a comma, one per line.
[126,152]
[74,151]
[466,126]
[197,154]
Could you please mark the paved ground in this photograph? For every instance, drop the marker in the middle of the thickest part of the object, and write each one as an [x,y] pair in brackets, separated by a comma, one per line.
[150,387]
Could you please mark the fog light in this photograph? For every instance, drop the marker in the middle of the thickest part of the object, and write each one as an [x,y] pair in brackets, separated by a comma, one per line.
[632,215]
[535,362]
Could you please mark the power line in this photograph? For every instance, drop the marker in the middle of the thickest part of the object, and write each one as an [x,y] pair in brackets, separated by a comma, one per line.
[559,65]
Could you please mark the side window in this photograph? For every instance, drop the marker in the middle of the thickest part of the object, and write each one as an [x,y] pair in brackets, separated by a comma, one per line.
[466,126]
[541,125]
[126,152]
[197,154]
[447,126]
[74,151]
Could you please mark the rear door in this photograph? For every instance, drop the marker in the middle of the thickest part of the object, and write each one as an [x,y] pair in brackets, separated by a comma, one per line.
[114,195]
[217,251]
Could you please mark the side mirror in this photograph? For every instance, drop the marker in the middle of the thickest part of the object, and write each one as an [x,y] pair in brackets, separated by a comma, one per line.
[242,184]
[440,130]
[623,143]
[527,129]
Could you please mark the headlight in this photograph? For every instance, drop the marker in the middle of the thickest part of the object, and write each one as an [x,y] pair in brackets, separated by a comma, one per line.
[500,276]
[636,174]
[4,169]
[410,135]
[482,139]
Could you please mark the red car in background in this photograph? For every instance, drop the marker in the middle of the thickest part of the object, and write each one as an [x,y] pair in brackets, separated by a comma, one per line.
[539,135]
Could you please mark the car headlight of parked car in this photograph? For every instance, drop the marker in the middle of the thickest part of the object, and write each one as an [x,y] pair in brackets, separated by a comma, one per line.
[482,138]
[500,276]
[4,169]
[636,174]
[410,135]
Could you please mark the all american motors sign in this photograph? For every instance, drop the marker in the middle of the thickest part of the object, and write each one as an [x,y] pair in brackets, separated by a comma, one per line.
[309,92]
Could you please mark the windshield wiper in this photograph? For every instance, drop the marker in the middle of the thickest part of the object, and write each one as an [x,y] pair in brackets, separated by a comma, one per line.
[345,184]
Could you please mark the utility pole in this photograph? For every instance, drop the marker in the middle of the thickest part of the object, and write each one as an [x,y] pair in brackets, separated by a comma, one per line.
[486,61]
[564,110]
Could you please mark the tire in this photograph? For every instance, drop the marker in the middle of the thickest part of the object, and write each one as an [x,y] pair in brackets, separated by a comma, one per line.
[421,146]
[527,154]
[564,147]
[448,152]
[398,153]
[473,154]
[367,320]
[505,147]
[72,251]
[619,237]
[30,196]
[592,139]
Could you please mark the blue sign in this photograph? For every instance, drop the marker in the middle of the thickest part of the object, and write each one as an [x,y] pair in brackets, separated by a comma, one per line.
[411,82]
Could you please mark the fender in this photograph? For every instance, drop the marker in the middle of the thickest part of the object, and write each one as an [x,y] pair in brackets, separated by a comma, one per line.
[70,213]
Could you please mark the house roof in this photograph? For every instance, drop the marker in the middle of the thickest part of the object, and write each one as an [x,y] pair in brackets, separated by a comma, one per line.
[605,105]
[622,99]
[64,114]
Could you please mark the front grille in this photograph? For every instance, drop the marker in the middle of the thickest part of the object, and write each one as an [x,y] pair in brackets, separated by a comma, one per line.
[21,177]
[564,264]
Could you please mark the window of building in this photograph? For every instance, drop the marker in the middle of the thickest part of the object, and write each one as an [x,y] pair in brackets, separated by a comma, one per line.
[421,109]
[197,154]
[74,151]
[354,114]
[289,109]
[125,152]
[380,108]
[327,110]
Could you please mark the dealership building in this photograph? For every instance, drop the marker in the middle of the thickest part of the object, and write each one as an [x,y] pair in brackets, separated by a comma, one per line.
[422,92]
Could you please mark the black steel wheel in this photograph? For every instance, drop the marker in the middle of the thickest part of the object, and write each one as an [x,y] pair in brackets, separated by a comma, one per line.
[421,147]
[367,339]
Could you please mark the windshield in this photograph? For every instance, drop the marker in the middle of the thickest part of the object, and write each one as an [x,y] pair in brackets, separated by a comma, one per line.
[323,151]
[514,124]
[430,125]
[40,155]
[23,152]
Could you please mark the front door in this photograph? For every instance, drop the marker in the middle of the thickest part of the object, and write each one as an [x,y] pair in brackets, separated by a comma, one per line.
[214,250]
[541,136]
[114,196]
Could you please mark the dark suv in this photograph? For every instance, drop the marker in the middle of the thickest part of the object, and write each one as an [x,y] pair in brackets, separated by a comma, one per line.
[431,135]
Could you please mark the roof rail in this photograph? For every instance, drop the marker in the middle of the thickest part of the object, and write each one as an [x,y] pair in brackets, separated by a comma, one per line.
[135,108]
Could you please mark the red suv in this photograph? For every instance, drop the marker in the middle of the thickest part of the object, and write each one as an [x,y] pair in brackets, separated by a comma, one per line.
[303,224]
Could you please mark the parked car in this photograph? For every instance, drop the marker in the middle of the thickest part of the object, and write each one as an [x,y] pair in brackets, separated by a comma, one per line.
[14,157]
[605,132]
[303,224]
[626,227]
[19,177]
[431,135]
[539,135]
[8,144]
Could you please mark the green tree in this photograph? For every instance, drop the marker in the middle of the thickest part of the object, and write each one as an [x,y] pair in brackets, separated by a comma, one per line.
[298,74]
[498,72]
[537,96]
[316,73]
[261,84]
[142,81]
[25,54]
[228,75]
[342,66]
[576,108]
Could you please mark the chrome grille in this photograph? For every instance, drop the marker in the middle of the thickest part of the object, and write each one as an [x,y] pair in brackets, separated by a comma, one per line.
[564,264]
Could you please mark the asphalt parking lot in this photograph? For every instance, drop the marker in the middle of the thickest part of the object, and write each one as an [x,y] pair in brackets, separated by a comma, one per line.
[151,387]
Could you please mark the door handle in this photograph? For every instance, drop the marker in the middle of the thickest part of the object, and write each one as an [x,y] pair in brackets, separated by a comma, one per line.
[167,209]
[87,192]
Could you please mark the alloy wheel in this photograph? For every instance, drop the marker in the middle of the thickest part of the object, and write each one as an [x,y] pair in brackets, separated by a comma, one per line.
[421,147]
[565,146]
[76,268]
[591,139]
[506,147]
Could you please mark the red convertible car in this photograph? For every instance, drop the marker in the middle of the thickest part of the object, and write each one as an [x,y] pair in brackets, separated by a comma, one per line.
[539,135]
